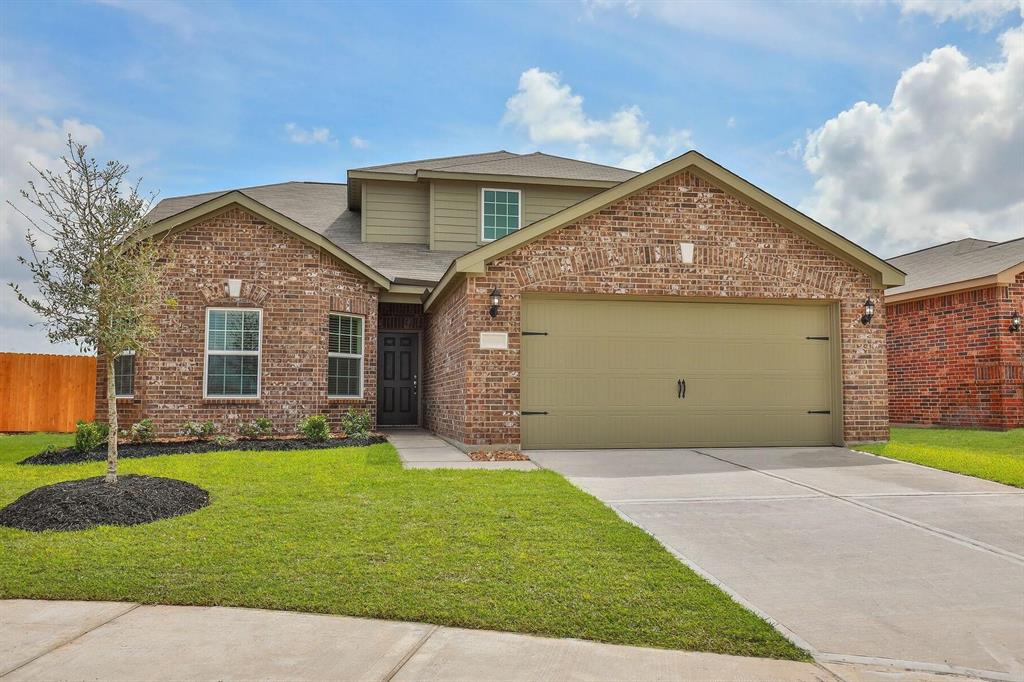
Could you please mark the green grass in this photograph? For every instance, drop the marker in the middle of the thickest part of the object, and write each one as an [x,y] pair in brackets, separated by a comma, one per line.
[350,532]
[995,455]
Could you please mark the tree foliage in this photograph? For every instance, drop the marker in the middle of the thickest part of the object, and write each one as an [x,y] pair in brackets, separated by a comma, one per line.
[99,285]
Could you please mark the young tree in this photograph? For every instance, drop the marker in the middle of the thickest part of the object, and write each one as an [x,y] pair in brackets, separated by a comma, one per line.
[99,286]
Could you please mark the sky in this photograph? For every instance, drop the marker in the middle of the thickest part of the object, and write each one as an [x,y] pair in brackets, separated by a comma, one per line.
[899,124]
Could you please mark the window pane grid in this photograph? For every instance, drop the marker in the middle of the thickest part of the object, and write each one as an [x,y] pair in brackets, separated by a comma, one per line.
[500,214]
[344,356]
[233,353]
[124,375]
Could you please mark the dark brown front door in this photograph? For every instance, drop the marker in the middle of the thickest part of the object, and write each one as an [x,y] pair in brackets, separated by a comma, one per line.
[398,380]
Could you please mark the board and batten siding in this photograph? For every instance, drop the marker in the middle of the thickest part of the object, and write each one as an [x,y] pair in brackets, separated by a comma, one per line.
[396,212]
[456,208]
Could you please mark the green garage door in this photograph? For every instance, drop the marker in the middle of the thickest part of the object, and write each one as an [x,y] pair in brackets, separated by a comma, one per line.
[638,374]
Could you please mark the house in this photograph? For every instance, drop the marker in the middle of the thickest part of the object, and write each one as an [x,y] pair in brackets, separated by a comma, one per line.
[507,300]
[955,346]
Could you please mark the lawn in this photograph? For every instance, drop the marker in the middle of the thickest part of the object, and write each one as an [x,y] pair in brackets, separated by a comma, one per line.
[348,531]
[995,455]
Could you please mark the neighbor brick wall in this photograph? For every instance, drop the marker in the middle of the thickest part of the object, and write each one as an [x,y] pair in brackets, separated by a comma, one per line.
[631,248]
[954,362]
[295,284]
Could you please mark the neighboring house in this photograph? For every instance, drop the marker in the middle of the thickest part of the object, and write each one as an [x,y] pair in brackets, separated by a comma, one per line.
[519,300]
[954,357]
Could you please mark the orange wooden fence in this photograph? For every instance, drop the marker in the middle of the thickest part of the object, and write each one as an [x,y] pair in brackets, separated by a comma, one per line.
[46,392]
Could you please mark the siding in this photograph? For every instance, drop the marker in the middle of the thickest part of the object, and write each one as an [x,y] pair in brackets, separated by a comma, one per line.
[397,212]
[456,222]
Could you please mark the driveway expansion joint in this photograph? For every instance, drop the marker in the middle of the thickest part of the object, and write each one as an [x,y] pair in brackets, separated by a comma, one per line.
[409,654]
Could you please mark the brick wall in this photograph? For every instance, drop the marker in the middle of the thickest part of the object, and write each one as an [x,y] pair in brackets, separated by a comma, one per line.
[446,345]
[954,362]
[296,286]
[631,248]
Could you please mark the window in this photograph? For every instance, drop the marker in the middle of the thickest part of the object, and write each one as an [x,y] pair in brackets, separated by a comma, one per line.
[501,211]
[345,356]
[233,337]
[124,374]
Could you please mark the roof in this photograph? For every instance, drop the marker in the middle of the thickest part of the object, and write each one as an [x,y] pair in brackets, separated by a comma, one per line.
[537,165]
[961,264]
[321,207]
[476,261]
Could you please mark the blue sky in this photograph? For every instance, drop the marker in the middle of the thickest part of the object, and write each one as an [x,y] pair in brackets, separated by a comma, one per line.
[197,97]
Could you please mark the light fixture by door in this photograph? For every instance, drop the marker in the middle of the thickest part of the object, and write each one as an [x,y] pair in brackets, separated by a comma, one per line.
[869,311]
[495,302]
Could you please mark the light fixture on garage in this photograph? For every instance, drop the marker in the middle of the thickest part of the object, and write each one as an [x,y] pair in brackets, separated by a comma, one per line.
[1015,321]
[869,311]
[495,302]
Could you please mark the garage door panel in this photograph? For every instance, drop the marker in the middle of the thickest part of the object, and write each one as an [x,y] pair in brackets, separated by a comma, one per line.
[606,374]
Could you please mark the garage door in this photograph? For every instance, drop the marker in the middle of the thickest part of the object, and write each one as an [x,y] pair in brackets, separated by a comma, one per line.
[633,374]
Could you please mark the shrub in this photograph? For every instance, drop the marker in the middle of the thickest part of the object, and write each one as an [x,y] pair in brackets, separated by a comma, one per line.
[223,441]
[315,428]
[90,435]
[356,423]
[142,431]
[199,429]
[256,428]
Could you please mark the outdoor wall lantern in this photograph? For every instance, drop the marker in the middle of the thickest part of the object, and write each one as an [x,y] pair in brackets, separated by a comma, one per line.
[495,302]
[1015,321]
[869,311]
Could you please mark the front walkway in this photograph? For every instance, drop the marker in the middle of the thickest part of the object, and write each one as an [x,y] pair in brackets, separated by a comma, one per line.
[47,640]
[420,449]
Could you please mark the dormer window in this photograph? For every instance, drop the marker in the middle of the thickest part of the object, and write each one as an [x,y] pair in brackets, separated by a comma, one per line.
[502,211]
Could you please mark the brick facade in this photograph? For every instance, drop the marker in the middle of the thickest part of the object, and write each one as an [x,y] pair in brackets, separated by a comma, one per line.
[631,249]
[295,285]
[954,362]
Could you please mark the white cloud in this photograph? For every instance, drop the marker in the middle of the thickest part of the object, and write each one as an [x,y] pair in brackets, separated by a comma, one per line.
[730,122]
[358,142]
[981,13]
[40,142]
[172,15]
[944,159]
[551,114]
[300,135]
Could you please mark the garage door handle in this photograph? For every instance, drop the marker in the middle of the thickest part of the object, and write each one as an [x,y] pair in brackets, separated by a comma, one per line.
[682,388]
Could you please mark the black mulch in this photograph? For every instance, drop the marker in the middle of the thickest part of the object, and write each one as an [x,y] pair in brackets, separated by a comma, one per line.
[76,505]
[70,455]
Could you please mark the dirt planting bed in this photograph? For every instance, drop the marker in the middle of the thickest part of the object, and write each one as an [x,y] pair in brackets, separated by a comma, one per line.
[88,502]
[498,456]
[181,447]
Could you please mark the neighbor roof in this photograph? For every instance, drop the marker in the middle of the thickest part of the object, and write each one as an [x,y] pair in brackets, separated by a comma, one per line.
[961,264]
[321,207]
[537,165]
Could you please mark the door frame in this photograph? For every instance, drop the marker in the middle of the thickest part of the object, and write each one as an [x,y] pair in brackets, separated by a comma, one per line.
[419,374]
[833,305]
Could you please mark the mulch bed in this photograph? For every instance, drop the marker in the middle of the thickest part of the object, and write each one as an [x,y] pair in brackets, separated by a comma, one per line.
[76,505]
[498,456]
[183,447]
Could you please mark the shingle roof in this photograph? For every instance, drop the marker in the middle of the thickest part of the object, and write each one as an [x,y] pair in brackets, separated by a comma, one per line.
[322,207]
[506,163]
[959,261]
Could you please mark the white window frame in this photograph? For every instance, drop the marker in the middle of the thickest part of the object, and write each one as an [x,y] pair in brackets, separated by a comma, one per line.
[124,395]
[522,212]
[258,353]
[361,356]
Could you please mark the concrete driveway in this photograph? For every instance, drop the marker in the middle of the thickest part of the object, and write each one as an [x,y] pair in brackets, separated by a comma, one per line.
[857,557]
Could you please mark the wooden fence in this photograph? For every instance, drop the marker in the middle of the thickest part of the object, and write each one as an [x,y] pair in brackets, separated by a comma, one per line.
[46,392]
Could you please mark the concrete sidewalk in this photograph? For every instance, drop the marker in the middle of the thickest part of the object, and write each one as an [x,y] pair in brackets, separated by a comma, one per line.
[420,449]
[58,640]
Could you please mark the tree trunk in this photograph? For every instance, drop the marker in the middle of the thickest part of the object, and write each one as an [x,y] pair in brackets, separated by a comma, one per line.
[112,422]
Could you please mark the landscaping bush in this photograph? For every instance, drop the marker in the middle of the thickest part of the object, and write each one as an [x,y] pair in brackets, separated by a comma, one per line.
[356,423]
[142,431]
[315,428]
[256,428]
[199,429]
[223,441]
[89,435]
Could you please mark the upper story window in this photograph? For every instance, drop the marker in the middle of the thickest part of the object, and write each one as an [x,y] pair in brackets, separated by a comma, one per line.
[502,211]
[124,374]
[344,356]
[233,338]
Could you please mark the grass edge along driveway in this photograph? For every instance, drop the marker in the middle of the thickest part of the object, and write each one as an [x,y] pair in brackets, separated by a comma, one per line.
[993,455]
[349,532]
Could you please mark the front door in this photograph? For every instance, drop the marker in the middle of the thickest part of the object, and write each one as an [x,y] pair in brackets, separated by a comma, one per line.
[398,378]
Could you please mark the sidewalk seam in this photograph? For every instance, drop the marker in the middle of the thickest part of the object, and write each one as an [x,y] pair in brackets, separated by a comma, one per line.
[412,652]
[69,640]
